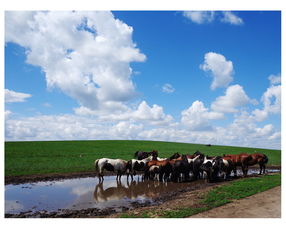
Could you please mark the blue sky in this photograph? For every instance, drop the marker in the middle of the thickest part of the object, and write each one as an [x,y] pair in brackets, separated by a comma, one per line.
[201,77]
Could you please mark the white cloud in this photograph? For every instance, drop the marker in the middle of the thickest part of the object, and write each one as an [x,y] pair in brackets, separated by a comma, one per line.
[202,17]
[271,100]
[275,79]
[234,97]
[143,113]
[199,17]
[197,116]
[229,17]
[13,96]
[260,115]
[7,113]
[246,131]
[276,135]
[242,132]
[86,55]
[168,88]
[126,130]
[221,69]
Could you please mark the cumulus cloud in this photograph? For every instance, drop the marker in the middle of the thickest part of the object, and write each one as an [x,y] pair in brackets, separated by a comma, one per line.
[243,131]
[275,79]
[7,113]
[199,17]
[168,88]
[197,116]
[231,18]
[220,68]
[86,55]
[234,97]
[203,17]
[13,96]
[271,100]
[143,112]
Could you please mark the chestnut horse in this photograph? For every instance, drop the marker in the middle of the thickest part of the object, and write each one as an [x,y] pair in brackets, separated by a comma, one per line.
[258,158]
[165,166]
[241,159]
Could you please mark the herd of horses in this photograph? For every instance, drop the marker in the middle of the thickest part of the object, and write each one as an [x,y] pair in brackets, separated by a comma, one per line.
[181,167]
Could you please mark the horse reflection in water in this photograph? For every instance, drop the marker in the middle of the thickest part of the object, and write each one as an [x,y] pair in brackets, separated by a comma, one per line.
[132,190]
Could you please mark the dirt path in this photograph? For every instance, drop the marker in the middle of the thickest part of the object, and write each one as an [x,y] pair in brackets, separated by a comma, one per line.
[262,205]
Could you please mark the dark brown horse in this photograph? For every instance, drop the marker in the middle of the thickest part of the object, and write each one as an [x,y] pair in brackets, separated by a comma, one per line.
[241,159]
[258,158]
[139,155]
[180,166]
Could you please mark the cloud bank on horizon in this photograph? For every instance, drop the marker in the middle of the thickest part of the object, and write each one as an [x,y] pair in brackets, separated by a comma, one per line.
[90,58]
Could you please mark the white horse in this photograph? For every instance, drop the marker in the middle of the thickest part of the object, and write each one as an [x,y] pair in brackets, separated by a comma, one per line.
[207,168]
[118,166]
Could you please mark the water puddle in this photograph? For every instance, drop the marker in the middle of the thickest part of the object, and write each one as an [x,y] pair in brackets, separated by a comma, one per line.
[84,193]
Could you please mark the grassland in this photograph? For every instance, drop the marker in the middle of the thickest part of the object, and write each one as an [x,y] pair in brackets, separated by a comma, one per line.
[29,158]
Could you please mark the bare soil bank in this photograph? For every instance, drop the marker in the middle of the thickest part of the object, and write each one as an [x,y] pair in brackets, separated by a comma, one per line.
[266,204]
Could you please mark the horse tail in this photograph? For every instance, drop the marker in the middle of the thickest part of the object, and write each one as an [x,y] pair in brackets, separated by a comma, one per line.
[96,165]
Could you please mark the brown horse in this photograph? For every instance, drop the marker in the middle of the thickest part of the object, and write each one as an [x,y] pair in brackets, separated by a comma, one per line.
[258,158]
[165,167]
[241,159]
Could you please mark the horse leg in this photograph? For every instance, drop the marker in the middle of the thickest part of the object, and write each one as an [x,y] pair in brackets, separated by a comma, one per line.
[235,171]
[101,178]
[161,176]
[261,168]
[244,170]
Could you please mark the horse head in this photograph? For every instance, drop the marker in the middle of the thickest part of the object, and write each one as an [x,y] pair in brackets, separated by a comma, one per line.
[197,153]
[184,157]
[154,153]
[175,156]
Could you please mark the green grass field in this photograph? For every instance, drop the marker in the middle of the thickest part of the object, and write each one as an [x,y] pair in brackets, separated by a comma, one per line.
[26,158]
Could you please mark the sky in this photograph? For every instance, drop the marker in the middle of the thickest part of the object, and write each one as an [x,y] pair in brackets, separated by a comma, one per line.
[209,77]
